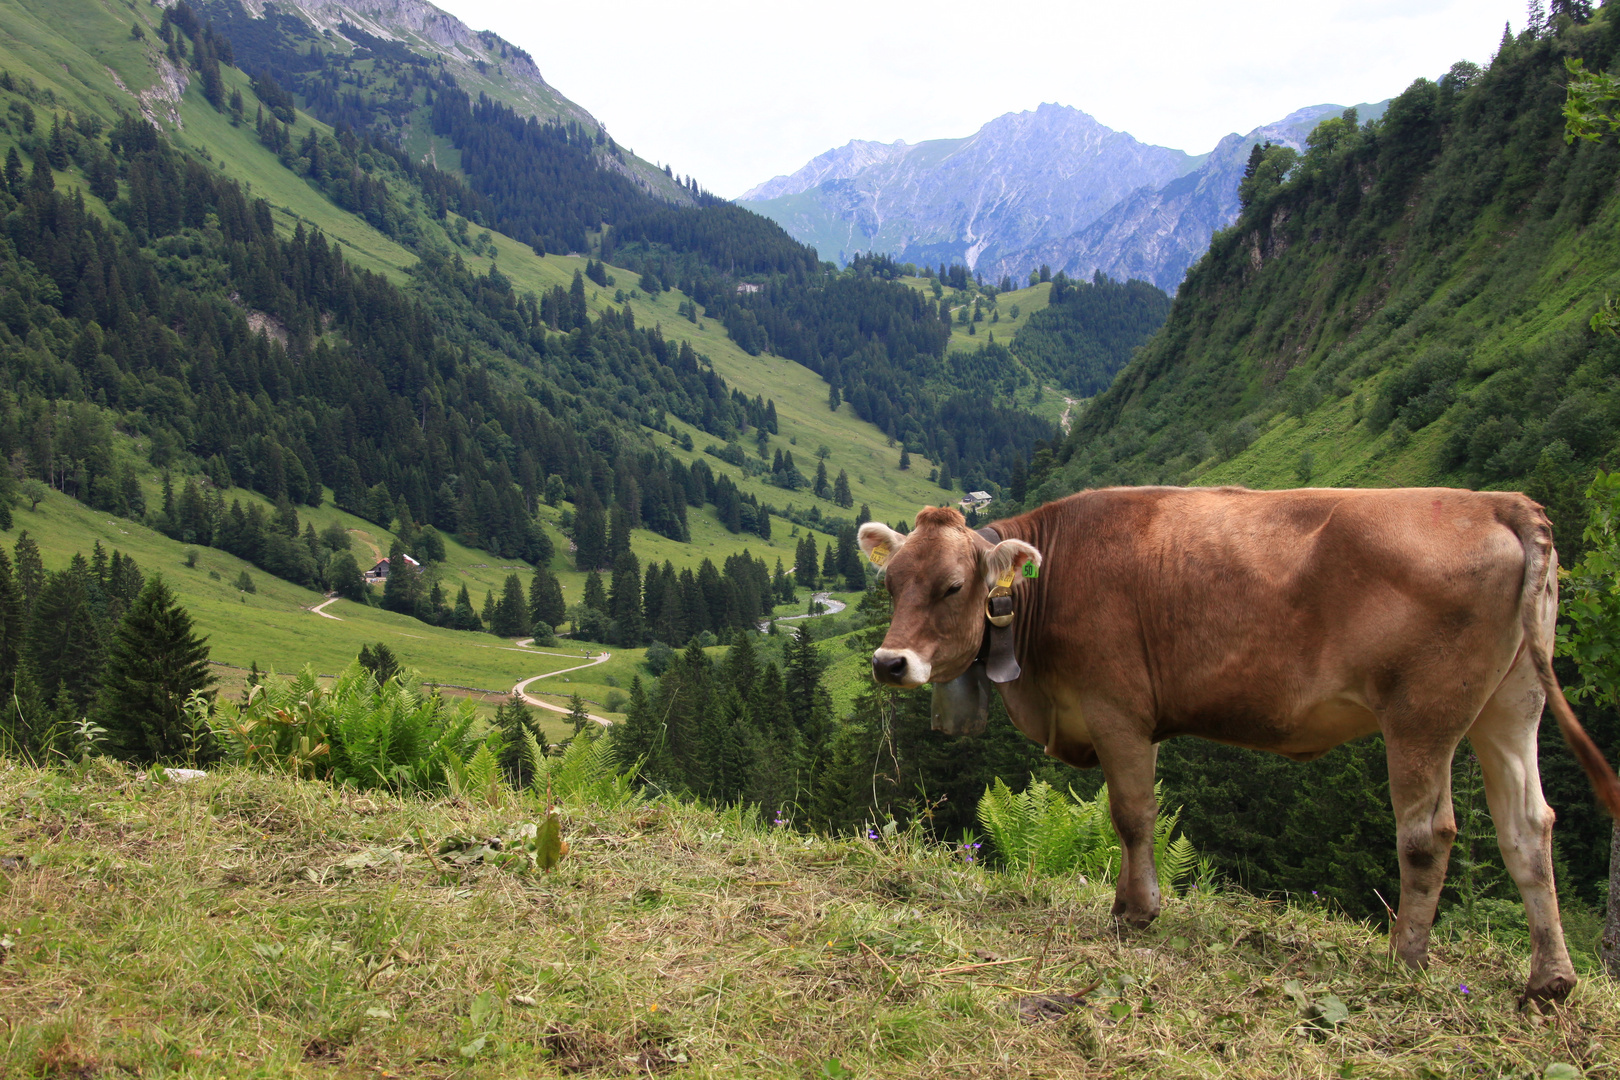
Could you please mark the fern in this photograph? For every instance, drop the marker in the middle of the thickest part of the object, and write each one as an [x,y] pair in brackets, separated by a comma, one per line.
[1040,831]
[585,773]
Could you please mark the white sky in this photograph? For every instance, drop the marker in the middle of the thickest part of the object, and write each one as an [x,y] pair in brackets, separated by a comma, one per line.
[734,93]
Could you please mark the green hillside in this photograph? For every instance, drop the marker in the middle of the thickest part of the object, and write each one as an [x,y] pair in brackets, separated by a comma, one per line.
[254,924]
[1409,305]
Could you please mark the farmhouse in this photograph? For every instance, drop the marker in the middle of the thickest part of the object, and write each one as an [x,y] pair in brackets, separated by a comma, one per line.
[380,571]
[975,500]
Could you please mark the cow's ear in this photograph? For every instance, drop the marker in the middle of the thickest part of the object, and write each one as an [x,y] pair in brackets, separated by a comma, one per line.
[879,542]
[1007,559]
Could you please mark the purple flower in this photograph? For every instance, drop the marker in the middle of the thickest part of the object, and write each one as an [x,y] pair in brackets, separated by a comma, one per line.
[871,834]
[1464,988]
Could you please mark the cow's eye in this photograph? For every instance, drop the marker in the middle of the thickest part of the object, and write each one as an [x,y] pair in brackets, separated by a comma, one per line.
[954,589]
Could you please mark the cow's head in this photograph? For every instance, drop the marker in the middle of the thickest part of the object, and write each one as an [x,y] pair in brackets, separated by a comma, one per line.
[939,578]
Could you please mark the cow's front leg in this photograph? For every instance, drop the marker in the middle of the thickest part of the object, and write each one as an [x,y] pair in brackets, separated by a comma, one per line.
[1128,766]
[1420,790]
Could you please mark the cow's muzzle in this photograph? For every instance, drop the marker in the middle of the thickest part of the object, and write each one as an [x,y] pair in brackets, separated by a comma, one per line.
[899,667]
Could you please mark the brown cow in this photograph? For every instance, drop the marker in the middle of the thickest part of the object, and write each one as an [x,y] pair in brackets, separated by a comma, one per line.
[1289,621]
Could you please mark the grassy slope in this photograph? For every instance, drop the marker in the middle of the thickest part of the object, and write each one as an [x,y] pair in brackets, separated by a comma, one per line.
[250,925]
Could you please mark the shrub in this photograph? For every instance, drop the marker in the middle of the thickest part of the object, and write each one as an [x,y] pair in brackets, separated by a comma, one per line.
[360,733]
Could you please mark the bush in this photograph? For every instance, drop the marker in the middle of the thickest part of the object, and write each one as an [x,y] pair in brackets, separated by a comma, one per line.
[244,582]
[393,736]
[1042,832]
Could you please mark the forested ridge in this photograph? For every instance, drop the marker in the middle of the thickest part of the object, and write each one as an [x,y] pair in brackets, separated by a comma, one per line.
[553,186]
[164,306]
[1408,299]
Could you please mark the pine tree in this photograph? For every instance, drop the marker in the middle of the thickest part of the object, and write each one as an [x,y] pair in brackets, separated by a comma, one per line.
[512,720]
[511,611]
[624,601]
[402,591]
[829,566]
[546,600]
[595,596]
[850,563]
[156,662]
[840,492]
[463,617]
[905,457]
[487,615]
[380,660]
[577,716]
[820,485]
[12,626]
[945,476]
[66,641]
[30,570]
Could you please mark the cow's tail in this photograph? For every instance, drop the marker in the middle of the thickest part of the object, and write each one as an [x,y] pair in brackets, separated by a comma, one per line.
[1538,603]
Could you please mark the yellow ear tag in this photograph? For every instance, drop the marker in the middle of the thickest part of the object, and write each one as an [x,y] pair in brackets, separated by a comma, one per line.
[879,555]
[1006,580]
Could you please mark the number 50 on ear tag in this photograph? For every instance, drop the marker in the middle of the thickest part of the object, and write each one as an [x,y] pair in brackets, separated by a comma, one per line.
[1031,570]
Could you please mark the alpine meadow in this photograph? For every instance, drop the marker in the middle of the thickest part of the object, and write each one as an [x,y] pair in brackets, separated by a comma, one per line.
[453,571]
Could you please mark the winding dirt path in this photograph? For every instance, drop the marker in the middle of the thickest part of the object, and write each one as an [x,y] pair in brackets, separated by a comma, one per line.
[1068,407]
[829,605]
[521,689]
[320,609]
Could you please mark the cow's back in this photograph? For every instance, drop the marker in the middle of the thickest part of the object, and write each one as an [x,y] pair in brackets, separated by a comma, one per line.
[1242,615]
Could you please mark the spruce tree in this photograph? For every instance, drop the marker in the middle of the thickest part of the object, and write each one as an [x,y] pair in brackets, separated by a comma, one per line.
[30,570]
[546,600]
[511,611]
[66,641]
[577,716]
[12,626]
[595,596]
[624,600]
[402,592]
[840,492]
[512,719]
[464,617]
[156,662]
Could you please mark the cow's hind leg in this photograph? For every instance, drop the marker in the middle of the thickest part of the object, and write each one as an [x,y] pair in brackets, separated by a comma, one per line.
[1504,738]
[1420,789]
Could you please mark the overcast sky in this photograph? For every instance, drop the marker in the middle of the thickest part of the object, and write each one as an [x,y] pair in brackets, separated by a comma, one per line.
[734,93]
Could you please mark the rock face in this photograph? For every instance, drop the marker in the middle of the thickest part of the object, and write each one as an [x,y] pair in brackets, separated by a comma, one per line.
[480,61]
[1053,186]
[1021,179]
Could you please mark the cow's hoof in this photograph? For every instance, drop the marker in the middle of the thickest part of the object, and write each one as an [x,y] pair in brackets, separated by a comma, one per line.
[1134,920]
[1547,988]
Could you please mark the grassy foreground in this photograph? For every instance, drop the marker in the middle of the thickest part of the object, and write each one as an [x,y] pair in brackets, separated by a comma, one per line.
[252,925]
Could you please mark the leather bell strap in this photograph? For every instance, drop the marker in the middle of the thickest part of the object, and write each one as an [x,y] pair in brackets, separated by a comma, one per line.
[998,651]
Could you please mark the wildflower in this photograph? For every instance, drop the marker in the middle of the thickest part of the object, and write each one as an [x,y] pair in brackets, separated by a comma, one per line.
[1464,988]
[871,834]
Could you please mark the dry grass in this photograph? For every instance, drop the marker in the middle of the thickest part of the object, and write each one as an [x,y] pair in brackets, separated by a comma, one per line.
[249,925]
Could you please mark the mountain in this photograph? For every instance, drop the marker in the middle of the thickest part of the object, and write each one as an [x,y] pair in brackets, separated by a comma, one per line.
[413,33]
[1124,220]
[837,164]
[1154,234]
[1020,179]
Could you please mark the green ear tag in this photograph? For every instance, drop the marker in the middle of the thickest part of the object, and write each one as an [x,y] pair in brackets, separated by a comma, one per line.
[1031,570]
